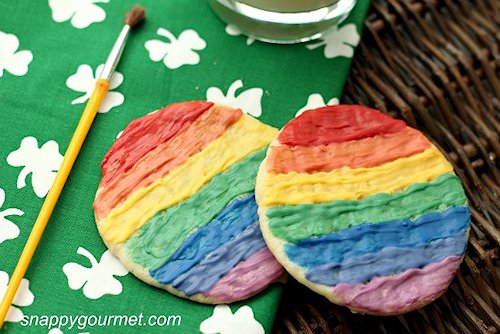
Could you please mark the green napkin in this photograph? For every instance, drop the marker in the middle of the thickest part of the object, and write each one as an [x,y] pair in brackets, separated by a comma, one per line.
[49,54]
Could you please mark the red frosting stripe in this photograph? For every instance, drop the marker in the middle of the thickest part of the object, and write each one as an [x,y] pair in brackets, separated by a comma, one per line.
[145,133]
[167,156]
[363,153]
[336,124]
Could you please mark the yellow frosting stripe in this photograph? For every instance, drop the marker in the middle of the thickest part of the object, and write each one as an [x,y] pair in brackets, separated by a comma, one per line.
[352,184]
[241,139]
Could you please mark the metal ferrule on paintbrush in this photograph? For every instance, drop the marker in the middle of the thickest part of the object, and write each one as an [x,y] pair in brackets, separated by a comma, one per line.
[132,18]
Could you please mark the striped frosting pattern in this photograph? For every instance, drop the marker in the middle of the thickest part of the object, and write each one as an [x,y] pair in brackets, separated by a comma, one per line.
[363,209]
[176,201]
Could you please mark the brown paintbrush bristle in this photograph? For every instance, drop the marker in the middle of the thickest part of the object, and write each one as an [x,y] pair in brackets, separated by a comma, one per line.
[135,16]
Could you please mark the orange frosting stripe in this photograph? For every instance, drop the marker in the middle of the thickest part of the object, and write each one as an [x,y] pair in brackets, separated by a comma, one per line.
[145,133]
[363,153]
[166,157]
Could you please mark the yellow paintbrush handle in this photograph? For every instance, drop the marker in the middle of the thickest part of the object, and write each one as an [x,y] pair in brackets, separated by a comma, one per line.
[101,87]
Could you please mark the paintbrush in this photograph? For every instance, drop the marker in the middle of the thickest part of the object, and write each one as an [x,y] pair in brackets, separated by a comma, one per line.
[135,16]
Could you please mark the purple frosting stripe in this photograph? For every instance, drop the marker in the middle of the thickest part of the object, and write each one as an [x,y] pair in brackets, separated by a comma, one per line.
[402,292]
[247,278]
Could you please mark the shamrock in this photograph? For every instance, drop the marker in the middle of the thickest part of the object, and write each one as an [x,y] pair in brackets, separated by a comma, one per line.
[24,297]
[98,280]
[81,12]
[339,41]
[233,30]
[223,321]
[177,52]
[8,230]
[11,60]
[249,100]
[56,331]
[83,81]
[316,101]
[42,163]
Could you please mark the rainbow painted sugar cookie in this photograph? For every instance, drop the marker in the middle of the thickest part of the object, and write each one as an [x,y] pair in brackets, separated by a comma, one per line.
[176,202]
[362,209]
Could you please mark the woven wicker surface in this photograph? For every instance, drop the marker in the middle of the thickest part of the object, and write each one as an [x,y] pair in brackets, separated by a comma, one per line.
[435,64]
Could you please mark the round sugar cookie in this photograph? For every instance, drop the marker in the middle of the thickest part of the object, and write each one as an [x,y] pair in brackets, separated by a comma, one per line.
[176,202]
[362,209]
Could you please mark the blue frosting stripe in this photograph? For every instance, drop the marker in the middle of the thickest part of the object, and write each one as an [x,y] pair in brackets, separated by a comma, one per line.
[219,262]
[371,238]
[236,217]
[389,261]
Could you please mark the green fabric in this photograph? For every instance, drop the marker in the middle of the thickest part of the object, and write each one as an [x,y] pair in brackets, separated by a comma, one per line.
[38,104]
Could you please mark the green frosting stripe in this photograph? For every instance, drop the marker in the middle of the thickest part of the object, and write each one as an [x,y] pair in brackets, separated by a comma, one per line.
[294,223]
[158,240]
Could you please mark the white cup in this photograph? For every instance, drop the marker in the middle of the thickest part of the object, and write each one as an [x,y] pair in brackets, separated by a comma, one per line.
[283,21]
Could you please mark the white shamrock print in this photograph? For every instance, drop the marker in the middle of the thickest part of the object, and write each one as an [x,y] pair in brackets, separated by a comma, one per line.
[223,321]
[13,61]
[43,164]
[339,42]
[83,81]
[98,280]
[55,331]
[178,51]
[316,101]
[248,100]
[24,297]
[8,230]
[233,30]
[81,12]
